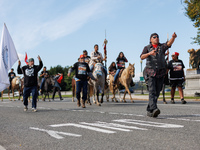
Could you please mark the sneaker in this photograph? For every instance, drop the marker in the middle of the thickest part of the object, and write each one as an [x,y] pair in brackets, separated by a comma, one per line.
[149,114]
[34,109]
[155,113]
[183,102]
[61,99]
[83,105]
[172,102]
[25,108]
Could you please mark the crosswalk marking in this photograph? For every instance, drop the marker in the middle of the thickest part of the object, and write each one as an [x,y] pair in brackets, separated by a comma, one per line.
[114,126]
[55,134]
[149,123]
[84,127]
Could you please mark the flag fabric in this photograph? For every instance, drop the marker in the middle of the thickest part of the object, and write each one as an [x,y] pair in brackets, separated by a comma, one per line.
[8,57]
[60,79]
[26,59]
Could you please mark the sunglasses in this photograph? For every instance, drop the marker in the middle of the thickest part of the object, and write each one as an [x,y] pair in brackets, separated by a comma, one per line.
[155,37]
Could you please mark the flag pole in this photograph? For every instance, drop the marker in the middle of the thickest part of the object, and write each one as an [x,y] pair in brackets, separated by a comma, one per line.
[105,51]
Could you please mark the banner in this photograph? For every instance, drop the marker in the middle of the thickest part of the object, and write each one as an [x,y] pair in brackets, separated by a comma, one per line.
[8,56]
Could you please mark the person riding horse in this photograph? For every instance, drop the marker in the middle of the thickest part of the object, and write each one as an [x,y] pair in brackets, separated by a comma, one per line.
[121,59]
[96,57]
[11,76]
[44,74]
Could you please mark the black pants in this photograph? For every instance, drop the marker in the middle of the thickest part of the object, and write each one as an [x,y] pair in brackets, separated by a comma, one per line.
[54,92]
[155,86]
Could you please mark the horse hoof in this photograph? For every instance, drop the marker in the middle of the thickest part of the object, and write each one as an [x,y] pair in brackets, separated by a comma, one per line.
[165,102]
[89,103]
[132,101]
[121,100]
[124,101]
[99,104]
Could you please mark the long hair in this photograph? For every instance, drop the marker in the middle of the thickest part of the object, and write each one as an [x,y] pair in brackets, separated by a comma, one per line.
[119,55]
[112,67]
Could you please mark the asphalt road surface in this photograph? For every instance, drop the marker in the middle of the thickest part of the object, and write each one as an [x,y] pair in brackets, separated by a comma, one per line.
[61,125]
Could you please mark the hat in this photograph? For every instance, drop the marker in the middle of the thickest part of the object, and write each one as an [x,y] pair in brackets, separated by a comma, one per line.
[30,59]
[175,53]
[81,56]
[153,35]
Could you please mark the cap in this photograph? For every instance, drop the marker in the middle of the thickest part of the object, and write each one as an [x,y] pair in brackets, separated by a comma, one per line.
[175,53]
[81,56]
[30,59]
[153,35]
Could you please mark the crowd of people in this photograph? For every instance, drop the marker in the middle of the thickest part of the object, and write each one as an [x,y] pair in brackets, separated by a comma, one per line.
[155,71]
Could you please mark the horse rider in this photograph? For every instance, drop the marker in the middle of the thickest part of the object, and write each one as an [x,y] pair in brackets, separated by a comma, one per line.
[44,74]
[177,76]
[112,68]
[121,60]
[30,73]
[155,70]
[11,76]
[57,86]
[82,71]
[96,57]
[87,58]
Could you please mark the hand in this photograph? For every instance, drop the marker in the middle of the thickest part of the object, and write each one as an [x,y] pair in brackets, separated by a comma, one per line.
[39,58]
[153,52]
[19,63]
[99,57]
[174,35]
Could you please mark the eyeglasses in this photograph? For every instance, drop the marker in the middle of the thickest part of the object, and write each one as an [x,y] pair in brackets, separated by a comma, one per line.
[155,37]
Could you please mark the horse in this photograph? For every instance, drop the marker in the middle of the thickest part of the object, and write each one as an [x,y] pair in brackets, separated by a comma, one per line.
[125,79]
[194,58]
[15,85]
[98,73]
[48,85]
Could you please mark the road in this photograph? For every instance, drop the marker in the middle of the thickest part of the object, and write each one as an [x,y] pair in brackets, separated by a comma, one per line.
[60,125]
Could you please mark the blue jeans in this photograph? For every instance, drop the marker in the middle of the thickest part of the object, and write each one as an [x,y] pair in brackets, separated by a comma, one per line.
[27,91]
[81,85]
[116,74]
[42,83]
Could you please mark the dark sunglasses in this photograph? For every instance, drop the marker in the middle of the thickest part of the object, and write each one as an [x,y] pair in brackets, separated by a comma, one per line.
[155,37]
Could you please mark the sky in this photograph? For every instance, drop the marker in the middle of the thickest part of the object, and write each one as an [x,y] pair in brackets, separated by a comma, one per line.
[59,30]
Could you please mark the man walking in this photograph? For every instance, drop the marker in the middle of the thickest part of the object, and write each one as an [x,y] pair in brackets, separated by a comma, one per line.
[155,70]
[177,76]
[82,71]
[30,73]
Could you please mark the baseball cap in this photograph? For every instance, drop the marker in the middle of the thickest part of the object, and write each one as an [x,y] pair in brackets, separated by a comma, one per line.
[175,53]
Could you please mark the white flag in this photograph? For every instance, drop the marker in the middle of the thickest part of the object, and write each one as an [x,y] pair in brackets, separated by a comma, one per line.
[8,56]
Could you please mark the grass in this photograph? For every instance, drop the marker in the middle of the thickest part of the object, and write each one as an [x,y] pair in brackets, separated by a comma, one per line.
[40,97]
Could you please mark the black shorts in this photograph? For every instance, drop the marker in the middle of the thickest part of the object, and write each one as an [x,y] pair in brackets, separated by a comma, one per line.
[176,83]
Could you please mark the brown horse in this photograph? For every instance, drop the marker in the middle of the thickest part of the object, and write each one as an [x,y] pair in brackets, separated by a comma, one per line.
[125,79]
[15,86]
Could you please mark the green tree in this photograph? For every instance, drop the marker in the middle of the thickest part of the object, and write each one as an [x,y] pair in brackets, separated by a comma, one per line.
[193,12]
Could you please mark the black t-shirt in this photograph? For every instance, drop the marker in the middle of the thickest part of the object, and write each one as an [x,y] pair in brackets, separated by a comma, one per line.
[121,62]
[11,75]
[30,74]
[176,70]
[81,69]
[46,73]
[87,59]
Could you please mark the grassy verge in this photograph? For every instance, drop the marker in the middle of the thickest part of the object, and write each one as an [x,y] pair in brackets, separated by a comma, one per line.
[40,97]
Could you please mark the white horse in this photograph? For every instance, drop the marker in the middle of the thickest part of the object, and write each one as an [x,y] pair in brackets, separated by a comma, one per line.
[98,73]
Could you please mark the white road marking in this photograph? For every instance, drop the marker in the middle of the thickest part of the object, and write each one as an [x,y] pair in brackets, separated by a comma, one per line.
[114,126]
[149,123]
[2,148]
[105,126]
[55,134]
[84,127]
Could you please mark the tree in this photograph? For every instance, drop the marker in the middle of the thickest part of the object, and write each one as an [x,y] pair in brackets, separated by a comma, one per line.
[193,12]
